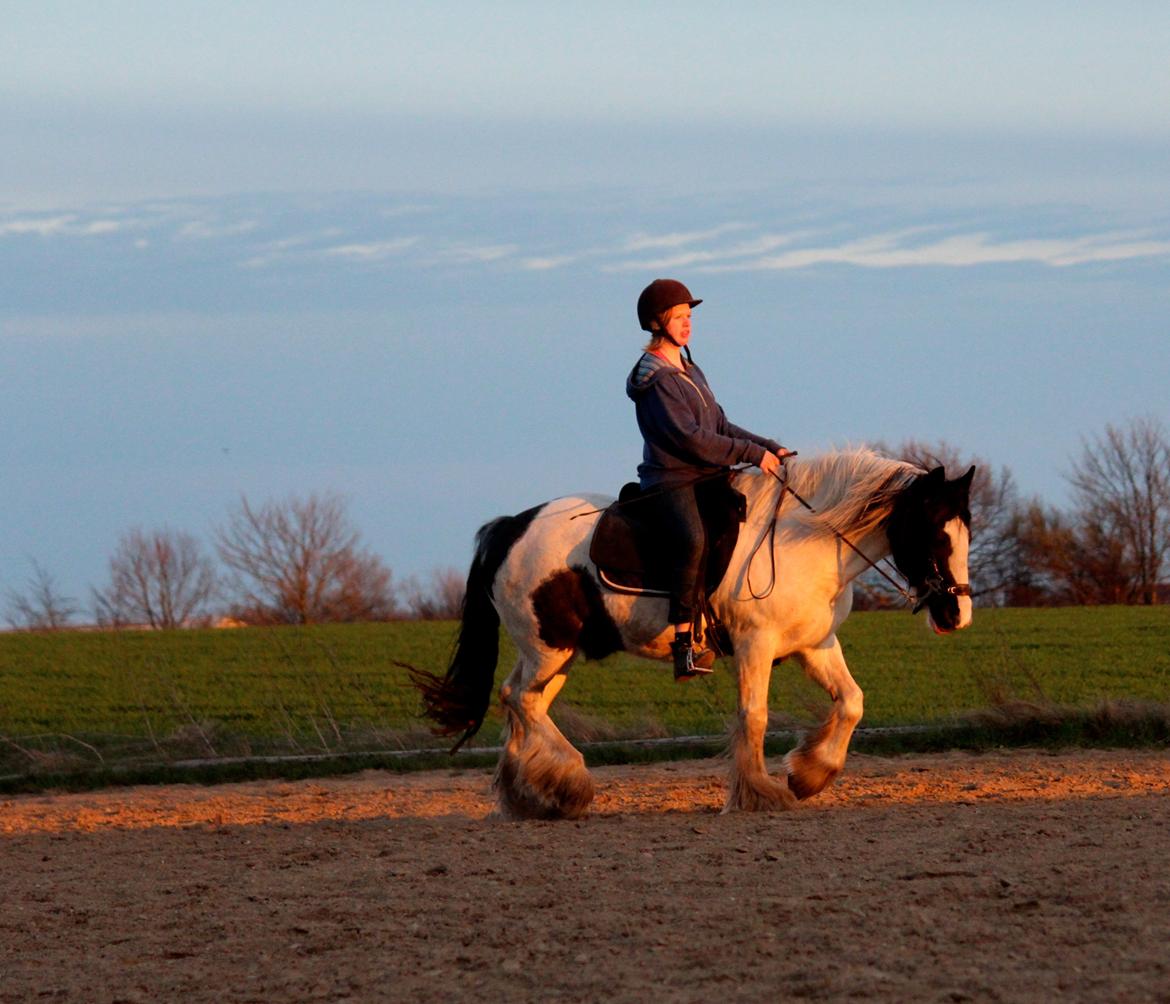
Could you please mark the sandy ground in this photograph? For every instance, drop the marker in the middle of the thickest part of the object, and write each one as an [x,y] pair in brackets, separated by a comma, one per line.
[1014,876]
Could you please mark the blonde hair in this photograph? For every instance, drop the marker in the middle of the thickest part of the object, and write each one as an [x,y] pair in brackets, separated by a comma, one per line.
[658,336]
[655,342]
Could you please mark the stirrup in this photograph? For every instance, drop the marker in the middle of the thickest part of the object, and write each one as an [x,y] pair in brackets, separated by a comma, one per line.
[685,666]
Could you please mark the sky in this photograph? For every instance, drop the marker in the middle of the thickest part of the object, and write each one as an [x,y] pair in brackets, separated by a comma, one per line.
[392,251]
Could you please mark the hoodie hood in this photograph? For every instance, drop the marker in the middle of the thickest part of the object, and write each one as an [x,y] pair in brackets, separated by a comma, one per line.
[684,430]
[647,371]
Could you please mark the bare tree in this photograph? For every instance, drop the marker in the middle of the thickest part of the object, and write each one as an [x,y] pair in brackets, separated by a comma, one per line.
[161,579]
[994,503]
[364,591]
[441,598]
[40,607]
[1121,488]
[1066,559]
[298,561]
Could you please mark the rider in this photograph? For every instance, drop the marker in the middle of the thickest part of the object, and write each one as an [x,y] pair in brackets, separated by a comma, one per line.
[687,437]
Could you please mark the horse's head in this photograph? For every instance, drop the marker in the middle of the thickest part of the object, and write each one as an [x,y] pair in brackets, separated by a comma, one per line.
[930,532]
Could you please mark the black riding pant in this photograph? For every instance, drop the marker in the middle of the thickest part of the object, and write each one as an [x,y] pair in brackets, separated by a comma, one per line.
[676,511]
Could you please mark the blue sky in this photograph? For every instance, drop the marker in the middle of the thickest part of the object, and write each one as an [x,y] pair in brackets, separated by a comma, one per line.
[393,252]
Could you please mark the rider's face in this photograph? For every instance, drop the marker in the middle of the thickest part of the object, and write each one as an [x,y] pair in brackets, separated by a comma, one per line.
[677,324]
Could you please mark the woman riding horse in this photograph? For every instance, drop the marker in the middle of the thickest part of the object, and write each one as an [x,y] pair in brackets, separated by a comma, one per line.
[687,438]
[531,573]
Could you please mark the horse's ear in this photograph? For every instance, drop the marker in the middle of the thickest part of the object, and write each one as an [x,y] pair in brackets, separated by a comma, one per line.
[958,492]
[936,476]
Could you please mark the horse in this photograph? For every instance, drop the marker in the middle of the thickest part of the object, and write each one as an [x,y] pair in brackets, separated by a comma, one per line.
[806,538]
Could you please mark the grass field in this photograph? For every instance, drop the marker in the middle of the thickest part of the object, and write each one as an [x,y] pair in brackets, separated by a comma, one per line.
[85,697]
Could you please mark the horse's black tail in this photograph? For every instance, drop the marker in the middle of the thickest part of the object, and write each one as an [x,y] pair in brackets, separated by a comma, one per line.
[458,701]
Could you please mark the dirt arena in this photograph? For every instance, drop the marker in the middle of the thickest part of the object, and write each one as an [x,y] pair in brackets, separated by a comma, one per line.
[1011,876]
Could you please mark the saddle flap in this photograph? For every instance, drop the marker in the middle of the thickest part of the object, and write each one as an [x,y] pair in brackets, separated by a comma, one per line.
[623,543]
[628,550]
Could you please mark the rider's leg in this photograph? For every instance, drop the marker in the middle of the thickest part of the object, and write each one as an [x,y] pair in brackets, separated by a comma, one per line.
[682,527]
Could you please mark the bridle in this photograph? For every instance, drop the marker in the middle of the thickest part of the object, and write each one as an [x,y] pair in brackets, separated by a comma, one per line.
[933,585]
[936,584]
[785,487]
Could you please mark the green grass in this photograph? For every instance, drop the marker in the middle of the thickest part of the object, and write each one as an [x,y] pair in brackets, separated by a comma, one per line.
[78,699]
[1068,656]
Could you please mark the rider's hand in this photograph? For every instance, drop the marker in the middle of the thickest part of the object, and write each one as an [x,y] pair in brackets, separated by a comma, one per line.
[772,462]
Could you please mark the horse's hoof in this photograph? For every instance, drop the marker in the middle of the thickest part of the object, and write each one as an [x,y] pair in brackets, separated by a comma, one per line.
[759,794]
[807,776]
[542,787]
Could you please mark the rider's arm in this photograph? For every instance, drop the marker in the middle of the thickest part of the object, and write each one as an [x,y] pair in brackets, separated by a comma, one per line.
[672,415]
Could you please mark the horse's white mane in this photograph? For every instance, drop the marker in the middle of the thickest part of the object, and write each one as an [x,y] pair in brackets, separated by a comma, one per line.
[851,490]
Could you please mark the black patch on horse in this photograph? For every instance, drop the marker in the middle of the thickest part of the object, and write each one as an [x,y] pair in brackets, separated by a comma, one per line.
[496,539]
[571,614]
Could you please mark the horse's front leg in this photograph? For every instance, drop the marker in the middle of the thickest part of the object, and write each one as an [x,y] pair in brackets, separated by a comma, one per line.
[814,764]
[751,788]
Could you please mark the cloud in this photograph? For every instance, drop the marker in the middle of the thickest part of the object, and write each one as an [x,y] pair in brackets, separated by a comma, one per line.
[42,226]
[320,233]
[549,262]
[697,258]
[646,242]
[906,248]
[371,250]
[406,209]
[470,254]
[665,242]
[962,251]
[204,230]
[62,225]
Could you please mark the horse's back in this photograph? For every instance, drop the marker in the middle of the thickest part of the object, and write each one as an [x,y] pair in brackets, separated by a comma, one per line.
[554,536]
[544,590]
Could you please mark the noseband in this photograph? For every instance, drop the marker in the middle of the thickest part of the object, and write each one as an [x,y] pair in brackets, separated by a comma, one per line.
[936,585]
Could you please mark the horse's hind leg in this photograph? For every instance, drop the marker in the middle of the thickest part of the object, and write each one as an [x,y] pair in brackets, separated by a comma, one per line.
[814,764]
[751,787]
[540,774]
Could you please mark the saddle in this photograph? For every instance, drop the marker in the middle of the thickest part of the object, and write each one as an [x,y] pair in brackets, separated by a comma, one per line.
[631,556]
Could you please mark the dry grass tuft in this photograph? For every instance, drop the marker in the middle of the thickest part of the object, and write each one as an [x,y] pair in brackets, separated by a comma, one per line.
[1113,722]
[579,726]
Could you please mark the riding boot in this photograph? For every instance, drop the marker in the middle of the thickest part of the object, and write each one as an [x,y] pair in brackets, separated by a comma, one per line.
[684,658]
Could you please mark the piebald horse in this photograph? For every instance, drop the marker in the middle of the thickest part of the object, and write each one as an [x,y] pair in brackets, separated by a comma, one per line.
[532,573]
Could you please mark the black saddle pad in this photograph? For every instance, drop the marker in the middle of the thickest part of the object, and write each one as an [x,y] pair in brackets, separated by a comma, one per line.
[629,553]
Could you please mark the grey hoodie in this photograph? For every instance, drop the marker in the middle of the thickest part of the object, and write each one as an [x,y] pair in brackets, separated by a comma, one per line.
[685,431]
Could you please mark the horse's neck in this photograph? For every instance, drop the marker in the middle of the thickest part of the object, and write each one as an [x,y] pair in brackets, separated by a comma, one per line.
[763,499]
[871,548]
[765,503]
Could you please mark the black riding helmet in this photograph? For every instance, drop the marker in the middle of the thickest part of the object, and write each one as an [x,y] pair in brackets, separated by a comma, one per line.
[660,296]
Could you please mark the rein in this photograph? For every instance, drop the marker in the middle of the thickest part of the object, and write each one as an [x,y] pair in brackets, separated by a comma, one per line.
[934,584]
[902,591]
